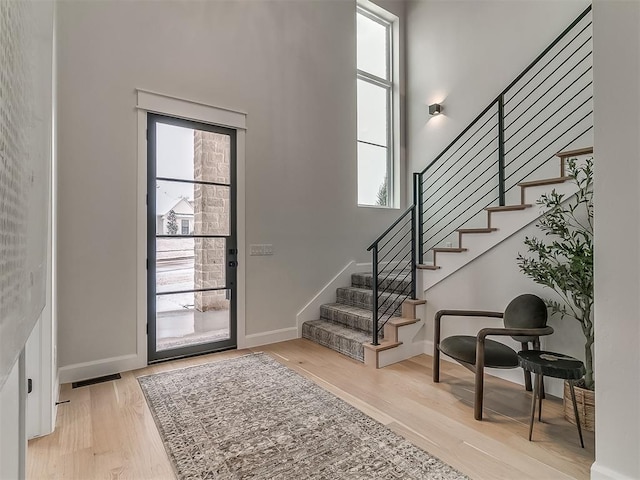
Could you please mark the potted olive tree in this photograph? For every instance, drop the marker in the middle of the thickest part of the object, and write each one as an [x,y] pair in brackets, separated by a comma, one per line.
[563,262]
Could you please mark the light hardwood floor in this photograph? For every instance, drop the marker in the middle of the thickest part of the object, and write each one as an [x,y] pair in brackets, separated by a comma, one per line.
[107,431]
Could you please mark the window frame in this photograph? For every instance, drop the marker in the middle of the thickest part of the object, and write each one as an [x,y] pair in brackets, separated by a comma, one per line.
[390,86]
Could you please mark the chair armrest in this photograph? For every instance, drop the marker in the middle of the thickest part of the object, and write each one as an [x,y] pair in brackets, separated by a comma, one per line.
[510,332]
[468,313]
[458,313]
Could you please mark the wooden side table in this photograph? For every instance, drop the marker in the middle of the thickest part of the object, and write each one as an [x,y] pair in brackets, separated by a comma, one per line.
[555,365]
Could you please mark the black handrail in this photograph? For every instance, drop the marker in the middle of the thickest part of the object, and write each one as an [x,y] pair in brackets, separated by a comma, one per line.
[394,224]
[475,120]
[548,49]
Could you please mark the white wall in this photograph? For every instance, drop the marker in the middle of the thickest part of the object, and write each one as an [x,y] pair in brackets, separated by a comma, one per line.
[27,39]
[617,238]
[290,66]
[463,54]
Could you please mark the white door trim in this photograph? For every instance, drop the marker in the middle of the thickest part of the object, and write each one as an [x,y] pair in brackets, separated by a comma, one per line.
[153,102]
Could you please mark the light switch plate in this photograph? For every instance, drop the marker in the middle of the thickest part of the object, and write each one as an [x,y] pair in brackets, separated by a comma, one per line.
[260,249]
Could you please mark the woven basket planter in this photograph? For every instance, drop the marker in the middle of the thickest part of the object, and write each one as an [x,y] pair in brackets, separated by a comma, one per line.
[585,399]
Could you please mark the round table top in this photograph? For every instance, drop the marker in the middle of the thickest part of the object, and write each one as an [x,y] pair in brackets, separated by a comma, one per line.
[551,364]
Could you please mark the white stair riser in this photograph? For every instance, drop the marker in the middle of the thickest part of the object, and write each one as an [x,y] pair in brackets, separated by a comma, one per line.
[508,223]
[410,346]
[532,194]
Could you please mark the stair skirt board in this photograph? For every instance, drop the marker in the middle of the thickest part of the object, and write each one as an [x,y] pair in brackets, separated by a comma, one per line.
[336,337]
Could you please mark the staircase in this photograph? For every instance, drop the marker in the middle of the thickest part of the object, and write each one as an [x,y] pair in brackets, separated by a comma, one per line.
[480,190]
[346,325]
[501,223]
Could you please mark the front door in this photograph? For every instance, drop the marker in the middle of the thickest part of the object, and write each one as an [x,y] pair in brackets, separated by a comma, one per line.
[192,247]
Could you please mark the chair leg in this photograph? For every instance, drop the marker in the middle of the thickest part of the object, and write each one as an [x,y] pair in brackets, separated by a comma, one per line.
[436,348]
[479,392]
[527,381]
[527,375]
[540,387]
[575,411]
[533,404]
[536,346]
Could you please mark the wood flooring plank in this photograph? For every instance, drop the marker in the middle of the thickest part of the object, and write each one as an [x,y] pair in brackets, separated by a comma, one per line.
[107,430]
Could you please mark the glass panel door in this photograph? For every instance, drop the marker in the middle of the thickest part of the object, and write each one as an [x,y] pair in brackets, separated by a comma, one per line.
[192,246]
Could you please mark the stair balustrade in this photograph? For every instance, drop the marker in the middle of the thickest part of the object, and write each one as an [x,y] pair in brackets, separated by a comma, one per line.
[394,260]
[548,108]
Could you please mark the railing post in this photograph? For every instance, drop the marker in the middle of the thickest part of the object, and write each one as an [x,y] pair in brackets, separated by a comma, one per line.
[501,179]
[413,251]
[374,313]
[419,205]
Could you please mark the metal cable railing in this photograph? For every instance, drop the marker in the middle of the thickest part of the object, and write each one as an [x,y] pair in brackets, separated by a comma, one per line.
[394,273]
[546,109]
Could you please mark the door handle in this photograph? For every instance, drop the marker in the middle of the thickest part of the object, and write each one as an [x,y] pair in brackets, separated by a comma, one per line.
[233,264]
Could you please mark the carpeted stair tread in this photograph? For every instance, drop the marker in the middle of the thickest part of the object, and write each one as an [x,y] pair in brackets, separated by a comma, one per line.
[363,298]
[387,281]
[348,315]
[337,337]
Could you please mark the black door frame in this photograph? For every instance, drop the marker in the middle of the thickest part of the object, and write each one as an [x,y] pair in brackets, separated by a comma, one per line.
[231,247]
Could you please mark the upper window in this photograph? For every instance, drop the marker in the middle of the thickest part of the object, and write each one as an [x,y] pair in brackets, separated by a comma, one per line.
[375,86]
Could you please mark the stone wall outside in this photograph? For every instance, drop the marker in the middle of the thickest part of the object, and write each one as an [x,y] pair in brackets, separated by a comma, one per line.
[212,209]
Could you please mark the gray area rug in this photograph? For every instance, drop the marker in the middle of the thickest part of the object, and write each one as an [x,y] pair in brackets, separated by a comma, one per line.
[251,417]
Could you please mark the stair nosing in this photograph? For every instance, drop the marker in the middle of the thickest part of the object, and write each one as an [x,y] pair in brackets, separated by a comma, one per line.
[465,231]
[422,266]
[415,301]
[384,345]
[546,181]
[508,208]
[449,250]
[401,321]
[576,152]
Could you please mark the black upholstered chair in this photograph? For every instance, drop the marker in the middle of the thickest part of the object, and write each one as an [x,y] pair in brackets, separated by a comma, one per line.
[525,320]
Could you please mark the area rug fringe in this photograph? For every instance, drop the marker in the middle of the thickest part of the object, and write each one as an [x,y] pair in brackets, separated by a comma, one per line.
[252,417]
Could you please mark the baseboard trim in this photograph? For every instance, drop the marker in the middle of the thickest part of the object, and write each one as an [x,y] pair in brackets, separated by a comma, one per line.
[600,472]
[56,399]
[100,368]
[273,336]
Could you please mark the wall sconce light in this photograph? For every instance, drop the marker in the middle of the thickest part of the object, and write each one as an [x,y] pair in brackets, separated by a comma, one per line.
[435,109]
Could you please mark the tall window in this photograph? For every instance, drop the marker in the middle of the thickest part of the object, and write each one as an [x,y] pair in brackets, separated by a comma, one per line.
[375,109]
